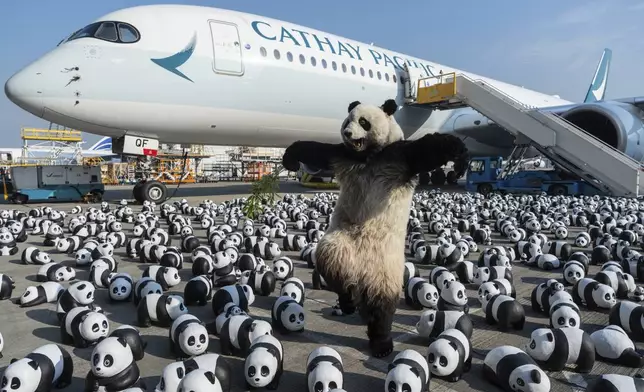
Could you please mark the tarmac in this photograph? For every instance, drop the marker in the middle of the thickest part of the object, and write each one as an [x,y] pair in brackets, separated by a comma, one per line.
[25,329]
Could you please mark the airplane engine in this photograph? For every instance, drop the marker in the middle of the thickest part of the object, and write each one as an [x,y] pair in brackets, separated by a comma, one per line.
[617,124]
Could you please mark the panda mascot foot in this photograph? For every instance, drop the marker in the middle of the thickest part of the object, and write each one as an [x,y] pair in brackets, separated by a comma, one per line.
[381,348]
[336,310]
[347,300]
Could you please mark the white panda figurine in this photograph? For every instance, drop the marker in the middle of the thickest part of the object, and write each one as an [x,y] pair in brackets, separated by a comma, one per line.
[261,279]
[433,322]
[120,288]
[545,262]
[564,314]
[199,380]
[77,294]
[613,345]
[294,288]
[621,283]
[287,315]
[573,271]
[160,309]
[450,355]
[46,367]
[113,366]
[283,268]
[582,240]
[593,294]
[630,317]
[229,310]
[324,370]
[167,277]
[508,366]
[554,348]
[496,286]
[33,255]
[419,294]
[264,364]
[7,284]
[47,292]
[188,336]
[485,274]
[616,383]
[7,243]
[453,296]
[638,294]
[239,294]
[408,372]
[238,332]
[83,327]
[544,293]
[143,287]
[175,372]
[133,338]
[54,272]
[198,291]
[439,276]
[505,311]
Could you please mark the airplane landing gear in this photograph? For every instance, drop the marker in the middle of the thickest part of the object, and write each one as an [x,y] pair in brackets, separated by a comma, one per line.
[150,190]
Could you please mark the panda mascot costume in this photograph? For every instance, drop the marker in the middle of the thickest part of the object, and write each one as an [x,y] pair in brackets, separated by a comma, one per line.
[377,171]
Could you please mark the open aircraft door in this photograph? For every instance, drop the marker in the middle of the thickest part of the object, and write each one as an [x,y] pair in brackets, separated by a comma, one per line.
[412,75]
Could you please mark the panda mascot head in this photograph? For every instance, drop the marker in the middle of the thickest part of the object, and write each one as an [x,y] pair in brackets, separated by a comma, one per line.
[369,127]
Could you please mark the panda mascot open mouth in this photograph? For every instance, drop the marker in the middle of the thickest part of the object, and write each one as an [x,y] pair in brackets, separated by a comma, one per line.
[378,172]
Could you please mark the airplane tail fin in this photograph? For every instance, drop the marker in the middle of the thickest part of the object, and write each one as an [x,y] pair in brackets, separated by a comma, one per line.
[105,144]
[597,87]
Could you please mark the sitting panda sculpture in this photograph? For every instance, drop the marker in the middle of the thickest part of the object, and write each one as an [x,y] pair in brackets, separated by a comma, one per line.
[46,367]
[450,355]
[264,364]
[378,171]
[408,371]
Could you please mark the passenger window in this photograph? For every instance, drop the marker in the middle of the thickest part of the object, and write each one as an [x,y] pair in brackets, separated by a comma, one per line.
[127,33]
[276,53]
[313,61]
[370,73]
[353,70]
[107,31]
[302,59]
[379,75]
[386,76]
[394,78]
[344,67]
[289,56]
[324,63]
[334,66]
[262,51]
[362,71]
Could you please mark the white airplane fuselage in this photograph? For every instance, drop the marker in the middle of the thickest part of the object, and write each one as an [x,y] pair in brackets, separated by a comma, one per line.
[233,89]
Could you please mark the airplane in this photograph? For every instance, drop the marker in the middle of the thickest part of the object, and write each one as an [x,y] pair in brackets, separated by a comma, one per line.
[202,75]
[102,148]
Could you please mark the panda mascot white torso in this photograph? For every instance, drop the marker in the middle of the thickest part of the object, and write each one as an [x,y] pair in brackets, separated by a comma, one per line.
[324,370]
[554,348]
[613,345]
[113,366]
[408,372]
[507,366]
[433,322]
[264,363]
[176,371]
[188,336]
[83,327]
[239,331]
[46,367]
[450,355]
[378,173]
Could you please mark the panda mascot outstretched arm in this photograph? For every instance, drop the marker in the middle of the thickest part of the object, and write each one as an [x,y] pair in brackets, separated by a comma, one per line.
[362,254]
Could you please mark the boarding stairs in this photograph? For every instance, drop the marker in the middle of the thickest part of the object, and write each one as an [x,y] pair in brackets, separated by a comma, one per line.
[566,145]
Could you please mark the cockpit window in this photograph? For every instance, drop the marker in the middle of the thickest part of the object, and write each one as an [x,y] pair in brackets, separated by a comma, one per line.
[107,31]
[118,32]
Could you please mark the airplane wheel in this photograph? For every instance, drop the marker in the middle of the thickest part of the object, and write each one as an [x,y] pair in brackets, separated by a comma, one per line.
[423,178]
[558,190]
[484,189]
[153,190]
[452,178]
[438,177]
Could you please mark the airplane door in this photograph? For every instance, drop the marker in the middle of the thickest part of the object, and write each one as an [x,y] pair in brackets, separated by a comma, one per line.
[226,44]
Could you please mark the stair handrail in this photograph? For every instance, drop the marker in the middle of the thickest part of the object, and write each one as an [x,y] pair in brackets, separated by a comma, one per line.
[500,94]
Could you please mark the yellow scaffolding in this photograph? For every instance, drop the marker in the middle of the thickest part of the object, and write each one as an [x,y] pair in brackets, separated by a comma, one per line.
[55,135]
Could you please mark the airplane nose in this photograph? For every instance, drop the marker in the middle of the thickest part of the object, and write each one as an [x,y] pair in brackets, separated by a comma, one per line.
[22,89]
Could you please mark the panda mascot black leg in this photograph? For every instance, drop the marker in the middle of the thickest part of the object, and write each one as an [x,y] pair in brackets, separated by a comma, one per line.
[379,313]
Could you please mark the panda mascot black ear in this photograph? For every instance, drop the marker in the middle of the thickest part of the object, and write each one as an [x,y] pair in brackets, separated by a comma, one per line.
[390,106]
[353,105]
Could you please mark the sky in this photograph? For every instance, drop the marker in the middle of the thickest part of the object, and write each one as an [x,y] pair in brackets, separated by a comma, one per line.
[551,46]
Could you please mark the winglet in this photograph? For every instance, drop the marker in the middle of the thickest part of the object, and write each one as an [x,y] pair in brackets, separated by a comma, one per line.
[597,87]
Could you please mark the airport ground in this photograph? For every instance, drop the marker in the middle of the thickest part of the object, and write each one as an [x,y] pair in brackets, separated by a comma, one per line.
[24,329]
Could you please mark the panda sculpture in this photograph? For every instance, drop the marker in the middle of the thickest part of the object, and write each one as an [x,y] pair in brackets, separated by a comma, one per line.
[7,284]
[48,292]
[264,364]
[593,294]
[453,296]
[324,370]
[496,286]
[613,345]
[54,272]
[419,294]
[166,276]
[49,366]
[33,255]
[630,317]
[198,291]
[133,338]
[229,310]
[485,274]
[616,383]
[174,373]
[120,288]
[160,309]
[261,279]
[83,327]
[544,293]
[450,355]
[373,160]
[239,331]
[505,311]
[511,369]
[408,372]
[188,336]
[113,366]
[433,322]
[564,314]
[573,271]
[283,268]
[77,294]
[620,282]
[553,349]
[240,294]
[294,288]
[7,243]
[143,287]
[287,315]
[201,380]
